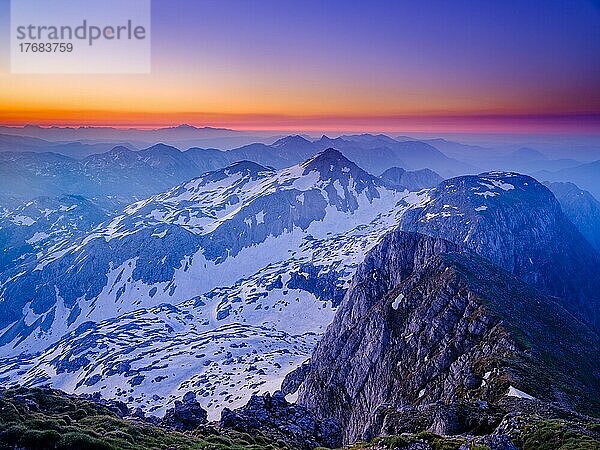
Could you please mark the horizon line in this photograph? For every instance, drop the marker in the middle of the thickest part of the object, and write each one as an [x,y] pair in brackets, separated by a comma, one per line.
[478,123]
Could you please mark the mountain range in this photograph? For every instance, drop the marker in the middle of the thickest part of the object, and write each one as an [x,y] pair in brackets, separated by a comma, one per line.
[132,174]
[374,153]
[194,285]
[461,307]
[244,254]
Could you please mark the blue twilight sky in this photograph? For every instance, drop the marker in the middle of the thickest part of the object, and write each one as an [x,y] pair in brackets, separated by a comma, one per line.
[329,60]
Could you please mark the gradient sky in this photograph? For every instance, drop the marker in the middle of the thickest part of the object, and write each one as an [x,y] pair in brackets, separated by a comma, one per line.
[308,65]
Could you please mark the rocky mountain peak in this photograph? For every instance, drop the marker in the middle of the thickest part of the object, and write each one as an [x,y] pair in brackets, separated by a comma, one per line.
[342,179]
[291,140]
[331,162]
[426,322]
[517,223]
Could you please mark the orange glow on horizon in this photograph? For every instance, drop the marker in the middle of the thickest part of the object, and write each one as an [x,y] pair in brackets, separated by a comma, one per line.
[475,122]
[257,101]
[218,100]
[301,67]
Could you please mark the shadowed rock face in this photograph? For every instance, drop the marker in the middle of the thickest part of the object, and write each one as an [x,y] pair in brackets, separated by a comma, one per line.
[186,415]
[295,378]
[581,208]
[425,322]
[518,224]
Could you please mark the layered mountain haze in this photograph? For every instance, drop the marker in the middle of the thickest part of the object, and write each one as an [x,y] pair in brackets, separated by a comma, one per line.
[378,153]
[582,209]
[249,254]
[76,149]
[176,135]
[584,175]
[198,283]
[131,174]
[122,173]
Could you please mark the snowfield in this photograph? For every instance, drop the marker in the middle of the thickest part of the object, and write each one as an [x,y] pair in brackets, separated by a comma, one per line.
[220,286]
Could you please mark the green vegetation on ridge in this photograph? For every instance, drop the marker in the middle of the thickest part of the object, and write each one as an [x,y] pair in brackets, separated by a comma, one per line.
[40,419]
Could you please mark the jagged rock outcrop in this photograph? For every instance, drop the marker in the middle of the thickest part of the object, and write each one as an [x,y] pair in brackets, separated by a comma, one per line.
[274,416]
[295,378]
[439,418]
[517,223]
[186,415]
[424,322]
[504,419]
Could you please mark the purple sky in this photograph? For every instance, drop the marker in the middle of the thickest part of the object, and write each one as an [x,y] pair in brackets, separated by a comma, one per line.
[333,60]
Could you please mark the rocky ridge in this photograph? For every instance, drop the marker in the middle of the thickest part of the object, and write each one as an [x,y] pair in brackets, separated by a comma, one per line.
[516,222]
[425,322]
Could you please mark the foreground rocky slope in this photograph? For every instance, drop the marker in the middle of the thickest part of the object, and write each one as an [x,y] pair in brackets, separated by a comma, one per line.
[273,416]
[425,322]
[527,433]
[34,419]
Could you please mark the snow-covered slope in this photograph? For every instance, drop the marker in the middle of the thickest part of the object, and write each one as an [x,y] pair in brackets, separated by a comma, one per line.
[254,260]
[44,222]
